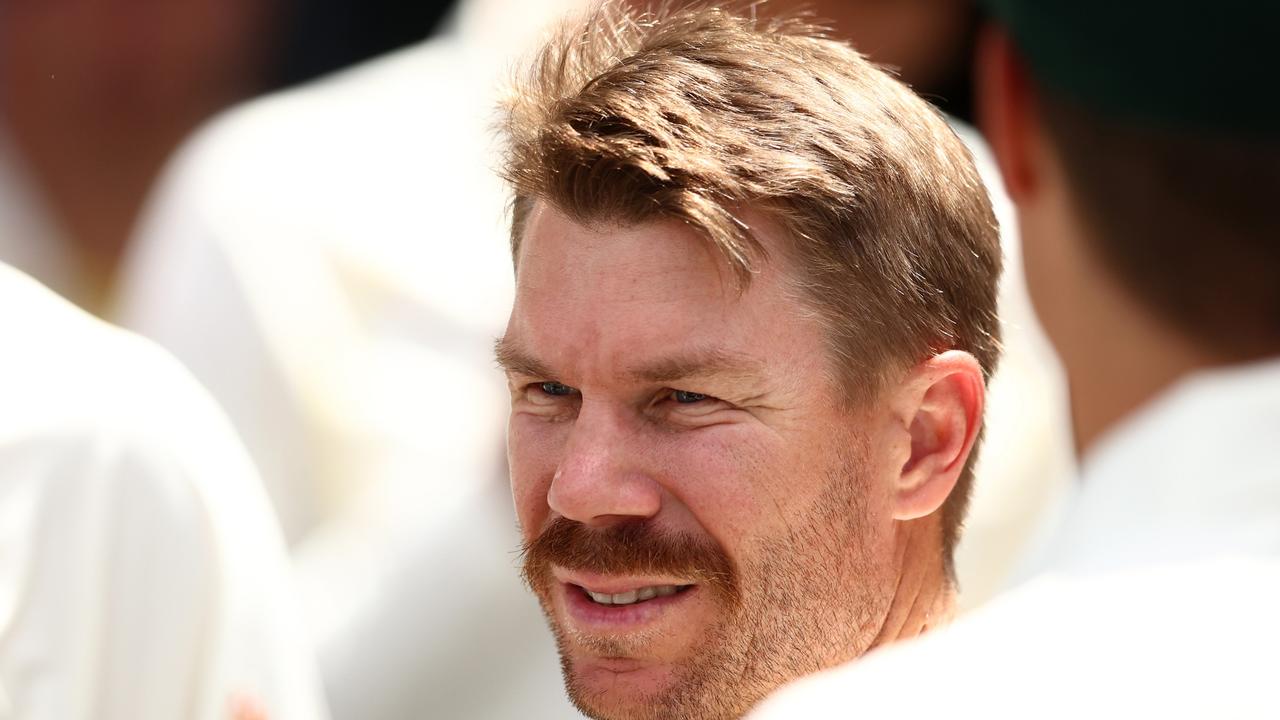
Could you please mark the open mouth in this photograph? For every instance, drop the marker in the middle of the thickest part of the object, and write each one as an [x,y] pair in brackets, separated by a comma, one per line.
[632,597]
[617,606]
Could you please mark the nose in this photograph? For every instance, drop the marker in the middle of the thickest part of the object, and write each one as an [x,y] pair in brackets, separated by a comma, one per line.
[600,480]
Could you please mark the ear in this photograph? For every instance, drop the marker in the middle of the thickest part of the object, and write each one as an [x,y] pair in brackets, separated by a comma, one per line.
[1006,109]
[940,404]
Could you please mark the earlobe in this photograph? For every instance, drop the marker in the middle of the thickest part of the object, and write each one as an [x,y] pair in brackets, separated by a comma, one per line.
[943,402]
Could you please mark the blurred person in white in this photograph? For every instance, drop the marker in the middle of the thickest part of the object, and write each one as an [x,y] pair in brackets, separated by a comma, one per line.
[1141,145]
[142,575]
[332,263]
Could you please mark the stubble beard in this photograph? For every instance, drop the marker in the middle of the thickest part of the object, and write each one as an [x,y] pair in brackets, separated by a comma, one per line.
[812,603]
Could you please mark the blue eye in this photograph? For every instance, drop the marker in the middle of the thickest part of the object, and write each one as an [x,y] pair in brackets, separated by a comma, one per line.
[555,388]
[685,397]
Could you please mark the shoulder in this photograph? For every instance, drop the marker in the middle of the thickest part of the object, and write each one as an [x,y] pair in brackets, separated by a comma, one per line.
[133,523]
[378,180]
[63,367]
[1178,641]
[324,137]
[79,391]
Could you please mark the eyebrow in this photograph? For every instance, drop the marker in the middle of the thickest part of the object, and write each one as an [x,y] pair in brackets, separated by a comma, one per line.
[699,364]
[696,364]
[516,361]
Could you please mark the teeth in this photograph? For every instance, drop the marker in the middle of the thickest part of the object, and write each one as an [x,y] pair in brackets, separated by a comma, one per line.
[633,596]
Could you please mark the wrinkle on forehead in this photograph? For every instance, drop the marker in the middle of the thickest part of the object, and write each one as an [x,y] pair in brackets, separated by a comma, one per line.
[682,249]
[513,357]
[650,302]
[698,363]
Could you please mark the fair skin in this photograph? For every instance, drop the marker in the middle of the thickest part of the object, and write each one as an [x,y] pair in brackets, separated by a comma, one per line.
[243,707]
[1116,353]
[647,390]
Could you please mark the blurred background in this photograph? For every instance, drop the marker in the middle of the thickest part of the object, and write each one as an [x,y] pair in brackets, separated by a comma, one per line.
[330,260]
[95,95]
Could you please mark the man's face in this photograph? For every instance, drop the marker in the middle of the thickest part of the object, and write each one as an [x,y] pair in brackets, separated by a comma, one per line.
[704,518]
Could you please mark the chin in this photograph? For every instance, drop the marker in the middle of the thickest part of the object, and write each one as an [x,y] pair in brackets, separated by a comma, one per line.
[625,689]
[606,686]
[602,696]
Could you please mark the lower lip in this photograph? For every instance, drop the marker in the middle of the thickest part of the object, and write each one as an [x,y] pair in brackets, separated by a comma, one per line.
[591,614]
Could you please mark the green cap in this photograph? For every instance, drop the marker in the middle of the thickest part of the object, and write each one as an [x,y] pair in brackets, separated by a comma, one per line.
[1208,66]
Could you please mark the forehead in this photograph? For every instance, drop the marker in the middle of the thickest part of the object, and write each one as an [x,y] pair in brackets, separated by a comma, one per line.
[606,296]
[650,258]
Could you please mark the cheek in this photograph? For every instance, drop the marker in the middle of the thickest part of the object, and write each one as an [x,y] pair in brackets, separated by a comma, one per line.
[743,487]
[534,448]
[886,454]
[729,479]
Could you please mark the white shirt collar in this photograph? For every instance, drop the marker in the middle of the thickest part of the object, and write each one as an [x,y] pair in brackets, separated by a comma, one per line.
[1194,474]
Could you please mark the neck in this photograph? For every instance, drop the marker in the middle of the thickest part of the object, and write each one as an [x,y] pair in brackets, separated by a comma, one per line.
[1129,358]
[925,596]
[1118,354]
